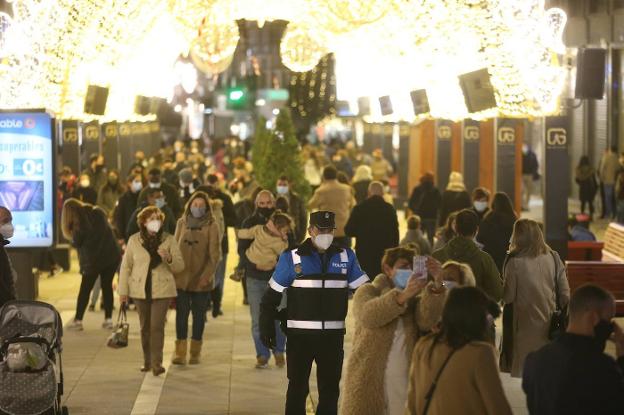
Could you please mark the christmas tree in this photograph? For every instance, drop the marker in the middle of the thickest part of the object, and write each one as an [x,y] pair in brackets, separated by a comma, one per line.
[278,153]
[261,140]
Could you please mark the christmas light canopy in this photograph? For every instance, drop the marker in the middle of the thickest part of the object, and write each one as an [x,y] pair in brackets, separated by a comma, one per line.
[52,49]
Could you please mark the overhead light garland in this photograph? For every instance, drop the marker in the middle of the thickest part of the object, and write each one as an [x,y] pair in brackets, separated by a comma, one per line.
[52,49]
[212,51]
[301,48]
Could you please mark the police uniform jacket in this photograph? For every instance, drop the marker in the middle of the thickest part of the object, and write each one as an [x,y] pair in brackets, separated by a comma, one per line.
[318,289]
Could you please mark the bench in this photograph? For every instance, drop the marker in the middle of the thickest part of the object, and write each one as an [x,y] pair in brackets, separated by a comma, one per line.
[608,275]
[613,250]
[585,251]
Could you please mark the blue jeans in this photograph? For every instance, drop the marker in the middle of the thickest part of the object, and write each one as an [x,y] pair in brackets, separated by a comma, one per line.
[217,293]
[189,302]
[255,290]
[608,200]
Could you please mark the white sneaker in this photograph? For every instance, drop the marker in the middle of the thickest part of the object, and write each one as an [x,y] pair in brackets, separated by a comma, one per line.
[75,325]
[108,324]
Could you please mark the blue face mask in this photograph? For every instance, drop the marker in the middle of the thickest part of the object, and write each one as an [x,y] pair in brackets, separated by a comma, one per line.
[401,276]
[160,202]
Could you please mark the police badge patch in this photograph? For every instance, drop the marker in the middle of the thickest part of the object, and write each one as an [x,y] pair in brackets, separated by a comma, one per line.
[298,268]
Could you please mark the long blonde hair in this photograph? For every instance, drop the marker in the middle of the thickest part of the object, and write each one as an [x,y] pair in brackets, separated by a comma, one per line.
[73,217]
[527,239]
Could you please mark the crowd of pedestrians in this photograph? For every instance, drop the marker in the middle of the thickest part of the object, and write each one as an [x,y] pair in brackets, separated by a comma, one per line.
[424,303]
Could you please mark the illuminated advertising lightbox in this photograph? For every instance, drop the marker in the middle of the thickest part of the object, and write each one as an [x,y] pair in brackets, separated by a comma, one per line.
[27,176]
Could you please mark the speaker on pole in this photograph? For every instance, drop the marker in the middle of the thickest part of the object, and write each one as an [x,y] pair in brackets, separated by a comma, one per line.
[363,106]
[95,100]
[420,102]
[590,73]
[478,90]
[142,105]
[385,103]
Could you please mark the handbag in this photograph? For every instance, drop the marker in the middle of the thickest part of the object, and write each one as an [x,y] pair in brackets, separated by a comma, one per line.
[559,318]
[119,337]
[434,384]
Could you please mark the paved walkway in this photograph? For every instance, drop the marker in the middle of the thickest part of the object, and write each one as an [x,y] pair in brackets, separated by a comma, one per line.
[100,380]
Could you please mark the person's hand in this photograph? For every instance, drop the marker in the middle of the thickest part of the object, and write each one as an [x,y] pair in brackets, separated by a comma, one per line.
[618,338]
[434,267]
[164,254]
[267,336]
[414,286]
[123,299]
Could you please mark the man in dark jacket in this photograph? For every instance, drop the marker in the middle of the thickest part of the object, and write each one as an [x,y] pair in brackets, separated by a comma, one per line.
[425,202]
[573,375]
[374,225]
[7,274]
[127,204]
[463,248]
[170,193]
[156,198]
[229,216]
[296,207]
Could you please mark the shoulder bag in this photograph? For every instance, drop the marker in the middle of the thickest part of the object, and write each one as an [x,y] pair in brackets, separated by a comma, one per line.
[434,385]
[559,318]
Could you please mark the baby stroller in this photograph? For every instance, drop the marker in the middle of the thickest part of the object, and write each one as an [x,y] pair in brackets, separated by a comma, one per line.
[29,392]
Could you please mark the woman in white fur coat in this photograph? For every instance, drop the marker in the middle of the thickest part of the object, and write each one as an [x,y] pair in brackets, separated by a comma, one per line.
[390,316]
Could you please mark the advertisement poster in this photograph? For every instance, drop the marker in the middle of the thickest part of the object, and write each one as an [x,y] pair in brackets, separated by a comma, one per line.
[26,176]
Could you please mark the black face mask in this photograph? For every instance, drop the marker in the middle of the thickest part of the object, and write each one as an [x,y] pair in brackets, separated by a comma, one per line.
[602,332]
[266,212]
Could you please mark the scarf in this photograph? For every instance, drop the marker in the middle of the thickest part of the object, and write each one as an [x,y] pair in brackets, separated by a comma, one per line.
[197,223]
[151,244]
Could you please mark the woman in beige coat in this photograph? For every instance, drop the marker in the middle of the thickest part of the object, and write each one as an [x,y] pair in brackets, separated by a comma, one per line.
[529,284]
[199,238]
[468,382]
[389,319]
[146,276]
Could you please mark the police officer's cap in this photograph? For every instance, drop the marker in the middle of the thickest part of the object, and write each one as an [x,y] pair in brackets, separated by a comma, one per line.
[323,219]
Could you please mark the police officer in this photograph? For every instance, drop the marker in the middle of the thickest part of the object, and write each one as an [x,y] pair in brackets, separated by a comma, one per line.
[318,276]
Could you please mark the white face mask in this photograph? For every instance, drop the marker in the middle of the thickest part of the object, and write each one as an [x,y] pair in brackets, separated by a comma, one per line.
[153,226]
[323,240]
[480,206]
[136,186]
[7,230]
[282,190]
[154,185]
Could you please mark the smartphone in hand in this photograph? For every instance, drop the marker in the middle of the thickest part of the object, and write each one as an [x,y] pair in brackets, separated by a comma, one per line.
[420,266]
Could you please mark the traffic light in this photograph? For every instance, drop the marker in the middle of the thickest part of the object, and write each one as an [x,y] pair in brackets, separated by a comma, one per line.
[237,98]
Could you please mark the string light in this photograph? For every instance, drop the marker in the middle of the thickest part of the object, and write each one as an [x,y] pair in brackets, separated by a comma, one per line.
[212,51]
[52,49]
[300,48]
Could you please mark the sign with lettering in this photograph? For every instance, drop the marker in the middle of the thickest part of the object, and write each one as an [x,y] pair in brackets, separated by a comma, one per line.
[506,156]
[556,182]
[444,132]
[110,145]
[471,145]
[71,145]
